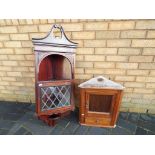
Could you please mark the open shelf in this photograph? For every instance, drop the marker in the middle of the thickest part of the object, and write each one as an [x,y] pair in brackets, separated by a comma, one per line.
[55,67]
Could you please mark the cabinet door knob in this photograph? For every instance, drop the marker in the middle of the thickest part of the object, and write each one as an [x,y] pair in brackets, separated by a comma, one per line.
[97,121]
[40,84]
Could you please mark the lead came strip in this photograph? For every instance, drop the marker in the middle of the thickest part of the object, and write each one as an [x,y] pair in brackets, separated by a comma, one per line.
[56,96]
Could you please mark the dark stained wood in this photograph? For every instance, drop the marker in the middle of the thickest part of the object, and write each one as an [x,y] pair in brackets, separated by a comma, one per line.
[51,120]
[100,103]
[46,70]
[99,107]
[54,66]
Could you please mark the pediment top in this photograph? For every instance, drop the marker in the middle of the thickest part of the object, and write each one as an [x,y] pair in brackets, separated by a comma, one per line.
[101,82]
[51,40]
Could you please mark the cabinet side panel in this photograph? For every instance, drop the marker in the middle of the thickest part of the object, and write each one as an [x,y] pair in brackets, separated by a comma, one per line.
[116,108]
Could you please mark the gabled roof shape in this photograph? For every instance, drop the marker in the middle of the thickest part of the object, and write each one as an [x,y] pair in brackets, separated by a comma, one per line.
[51,40]
[101,82]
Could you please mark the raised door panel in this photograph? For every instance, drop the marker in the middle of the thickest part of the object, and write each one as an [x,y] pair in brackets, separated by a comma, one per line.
[100,105]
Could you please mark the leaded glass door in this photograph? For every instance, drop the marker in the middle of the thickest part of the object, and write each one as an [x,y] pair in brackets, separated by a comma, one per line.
[55,95]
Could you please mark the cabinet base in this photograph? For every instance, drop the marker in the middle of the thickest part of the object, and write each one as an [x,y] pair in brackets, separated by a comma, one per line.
[52,120]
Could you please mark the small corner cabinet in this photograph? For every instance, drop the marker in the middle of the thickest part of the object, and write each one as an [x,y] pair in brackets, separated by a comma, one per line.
[100,100]
[54,75]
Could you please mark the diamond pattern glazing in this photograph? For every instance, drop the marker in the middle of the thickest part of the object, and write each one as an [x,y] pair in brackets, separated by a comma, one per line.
[55,96]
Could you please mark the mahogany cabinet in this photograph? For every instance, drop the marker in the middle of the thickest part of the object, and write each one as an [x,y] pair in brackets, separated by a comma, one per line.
[54,75]
[100,100]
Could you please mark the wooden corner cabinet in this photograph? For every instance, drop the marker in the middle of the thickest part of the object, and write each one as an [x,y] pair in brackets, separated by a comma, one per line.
[100,100]
[54,75]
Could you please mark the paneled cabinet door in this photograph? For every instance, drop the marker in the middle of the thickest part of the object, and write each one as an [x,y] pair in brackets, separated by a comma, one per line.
[100,107]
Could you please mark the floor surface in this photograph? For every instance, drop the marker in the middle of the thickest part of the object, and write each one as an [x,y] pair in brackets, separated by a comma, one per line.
[20,119]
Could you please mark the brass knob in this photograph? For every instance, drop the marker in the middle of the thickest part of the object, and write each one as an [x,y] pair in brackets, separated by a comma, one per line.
[97,121]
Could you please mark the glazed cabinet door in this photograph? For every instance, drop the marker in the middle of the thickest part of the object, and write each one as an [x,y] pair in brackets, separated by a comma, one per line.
[99,107]
[53,96]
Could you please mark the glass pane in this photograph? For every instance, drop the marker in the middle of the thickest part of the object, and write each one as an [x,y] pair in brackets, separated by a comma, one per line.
[100,103]
[55,96]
